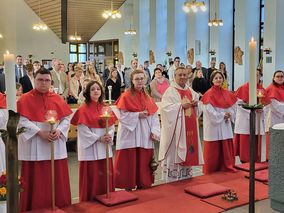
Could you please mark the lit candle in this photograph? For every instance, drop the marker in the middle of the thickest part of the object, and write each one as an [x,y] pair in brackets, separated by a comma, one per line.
[109,94]
[10,78]
[252,72]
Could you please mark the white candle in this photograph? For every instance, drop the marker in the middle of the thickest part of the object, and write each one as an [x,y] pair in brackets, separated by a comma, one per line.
[10,79]
[109,94]
[252,72]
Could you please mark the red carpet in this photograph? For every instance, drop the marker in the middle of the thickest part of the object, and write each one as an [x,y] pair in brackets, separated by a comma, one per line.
[172,198]
[241,186]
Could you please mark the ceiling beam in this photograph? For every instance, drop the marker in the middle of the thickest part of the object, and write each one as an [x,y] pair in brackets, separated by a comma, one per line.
[64,21]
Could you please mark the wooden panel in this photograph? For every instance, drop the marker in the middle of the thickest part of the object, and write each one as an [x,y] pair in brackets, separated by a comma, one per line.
[87,13]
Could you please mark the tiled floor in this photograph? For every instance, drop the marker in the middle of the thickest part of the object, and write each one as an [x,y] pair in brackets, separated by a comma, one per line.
[260,206]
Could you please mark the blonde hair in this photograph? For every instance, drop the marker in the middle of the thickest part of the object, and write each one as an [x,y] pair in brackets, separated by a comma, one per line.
[138,71]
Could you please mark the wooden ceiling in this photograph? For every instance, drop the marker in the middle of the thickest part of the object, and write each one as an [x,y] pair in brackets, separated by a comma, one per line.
[85,16]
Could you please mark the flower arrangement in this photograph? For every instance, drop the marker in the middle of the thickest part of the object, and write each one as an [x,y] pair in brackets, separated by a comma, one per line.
[3,186]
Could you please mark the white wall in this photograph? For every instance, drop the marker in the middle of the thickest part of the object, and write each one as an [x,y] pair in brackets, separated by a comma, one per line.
[16,21]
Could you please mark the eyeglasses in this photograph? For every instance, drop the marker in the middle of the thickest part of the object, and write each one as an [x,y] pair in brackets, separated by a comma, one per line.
[138,79]
[43,80]
[279,76]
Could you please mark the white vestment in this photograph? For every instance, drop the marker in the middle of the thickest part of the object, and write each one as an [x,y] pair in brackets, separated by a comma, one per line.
[32,148]
[173,147]
[3,123]
[89,146]
[215,127]
[275,114]
[134,132]
[242,123]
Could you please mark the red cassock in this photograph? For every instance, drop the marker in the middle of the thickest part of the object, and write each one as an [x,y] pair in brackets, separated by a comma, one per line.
[2,101]
[241,141]
[277,93]
[132,165]
[92,173]
[219,155]
[37,174]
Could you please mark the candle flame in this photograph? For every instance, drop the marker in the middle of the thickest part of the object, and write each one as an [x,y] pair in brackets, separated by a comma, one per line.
[252,39]
[7,52]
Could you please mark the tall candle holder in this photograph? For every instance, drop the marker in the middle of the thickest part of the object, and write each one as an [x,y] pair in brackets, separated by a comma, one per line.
[106,113]
[51,118]
[260,95]
[112,198]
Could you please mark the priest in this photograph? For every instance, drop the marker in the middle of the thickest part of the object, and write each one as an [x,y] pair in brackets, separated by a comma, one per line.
[180,146]
[3,123]
[34,146]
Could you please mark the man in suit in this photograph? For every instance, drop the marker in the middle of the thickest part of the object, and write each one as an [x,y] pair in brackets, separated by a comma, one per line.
[106,73]
[211,69]
[20,69]
[2,80]
[27,81]
[120,75]
[60,79]
[134,65]
[198,65]
[146,68]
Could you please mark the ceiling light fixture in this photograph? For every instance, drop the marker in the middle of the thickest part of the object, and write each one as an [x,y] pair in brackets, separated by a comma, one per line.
[187,7]
[215,22]
[1,36]
[39,26]
[130,31]
[111,13]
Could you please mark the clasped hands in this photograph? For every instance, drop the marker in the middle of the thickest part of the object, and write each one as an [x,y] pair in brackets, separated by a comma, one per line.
[186,105]
[105,138]
[49,135]
[227,116]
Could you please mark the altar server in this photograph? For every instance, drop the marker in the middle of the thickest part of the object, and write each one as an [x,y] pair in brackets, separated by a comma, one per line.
[34,146]
[92,142]
[138,128]
[242,124]
[3,123]
[219,108]
[275,91]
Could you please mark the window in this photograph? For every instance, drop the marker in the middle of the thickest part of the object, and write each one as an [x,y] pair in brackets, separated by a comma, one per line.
[78,53]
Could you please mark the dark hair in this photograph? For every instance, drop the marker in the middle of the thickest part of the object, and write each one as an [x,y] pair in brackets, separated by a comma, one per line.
[87,93]
[159,65]
[274,77]
[146,62]
[157,68]
[177,58]
[36,62]
[171,63]
[19,56]
[52,82]
[214,73]
[29,67]
[43,71]
[225,70]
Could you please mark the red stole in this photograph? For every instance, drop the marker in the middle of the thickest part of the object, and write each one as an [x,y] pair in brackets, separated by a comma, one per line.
[275,92]
[136,102]
[219,97]
[192,158]
[243,94]
[2,101]
[89,115]
[34,105]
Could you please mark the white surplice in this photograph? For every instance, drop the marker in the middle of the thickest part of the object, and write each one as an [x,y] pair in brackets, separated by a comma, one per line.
[89,146]
[215,127]
[32,148]
[3,123]
[242,123]
[134,132]
[275,114]
[172,114]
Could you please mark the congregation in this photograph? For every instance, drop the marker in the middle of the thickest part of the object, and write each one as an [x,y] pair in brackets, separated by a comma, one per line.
[179,96]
